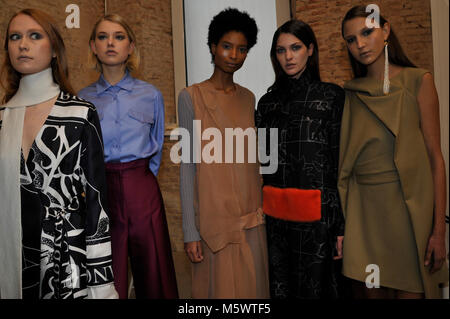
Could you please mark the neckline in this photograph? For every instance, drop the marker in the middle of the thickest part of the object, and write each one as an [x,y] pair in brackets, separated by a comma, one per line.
[362,82]
[124,78]
[207,83]
[34,89]
[303,80]
[391,77]
[38,132]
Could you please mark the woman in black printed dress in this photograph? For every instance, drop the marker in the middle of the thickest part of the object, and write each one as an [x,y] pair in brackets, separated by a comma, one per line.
[54,230]
[305,224]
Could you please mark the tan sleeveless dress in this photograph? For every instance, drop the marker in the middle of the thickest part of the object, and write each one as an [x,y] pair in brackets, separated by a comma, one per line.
[386,186]
[228,204]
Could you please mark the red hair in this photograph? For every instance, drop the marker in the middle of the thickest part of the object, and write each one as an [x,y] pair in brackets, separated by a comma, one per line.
[10,78]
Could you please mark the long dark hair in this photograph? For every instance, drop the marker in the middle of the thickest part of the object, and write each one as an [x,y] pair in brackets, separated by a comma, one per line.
[395,55]
[303,32]
[10,78]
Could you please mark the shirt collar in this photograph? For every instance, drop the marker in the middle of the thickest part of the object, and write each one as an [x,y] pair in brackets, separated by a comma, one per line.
[125,83]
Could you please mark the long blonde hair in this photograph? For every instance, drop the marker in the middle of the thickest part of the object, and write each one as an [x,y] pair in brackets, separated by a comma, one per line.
[133,60]
[10,78]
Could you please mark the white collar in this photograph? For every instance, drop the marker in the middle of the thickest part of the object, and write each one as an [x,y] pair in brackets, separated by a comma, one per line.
[34,89]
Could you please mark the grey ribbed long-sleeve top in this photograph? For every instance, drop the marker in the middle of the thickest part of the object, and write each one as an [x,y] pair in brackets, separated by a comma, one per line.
[187,170]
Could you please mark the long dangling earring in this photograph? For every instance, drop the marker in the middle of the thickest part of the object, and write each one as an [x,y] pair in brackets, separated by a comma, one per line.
[386,82]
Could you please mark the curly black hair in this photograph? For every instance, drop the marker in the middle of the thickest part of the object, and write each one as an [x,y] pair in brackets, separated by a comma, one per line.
[232,19]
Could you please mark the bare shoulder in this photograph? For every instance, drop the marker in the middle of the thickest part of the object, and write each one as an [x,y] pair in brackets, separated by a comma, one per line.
[396,69]
[427,79]
[427,85]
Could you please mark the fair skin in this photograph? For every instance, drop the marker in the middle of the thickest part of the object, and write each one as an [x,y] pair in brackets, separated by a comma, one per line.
[112,46]
[339,242]
[292,54]
[367,47]
[229,56]
[30,52]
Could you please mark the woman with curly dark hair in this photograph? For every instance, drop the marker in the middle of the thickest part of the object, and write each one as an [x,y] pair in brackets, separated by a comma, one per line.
[223,226]
[303,215]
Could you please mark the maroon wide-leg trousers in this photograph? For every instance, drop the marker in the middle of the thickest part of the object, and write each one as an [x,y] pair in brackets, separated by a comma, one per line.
[139,230]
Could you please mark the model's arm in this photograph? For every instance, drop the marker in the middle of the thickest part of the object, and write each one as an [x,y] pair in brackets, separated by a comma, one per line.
[259,115]
[334,134]
[429,120]
[158,132]
[192,244]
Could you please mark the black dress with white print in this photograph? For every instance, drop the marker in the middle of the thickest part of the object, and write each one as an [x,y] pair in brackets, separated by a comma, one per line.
[66,241]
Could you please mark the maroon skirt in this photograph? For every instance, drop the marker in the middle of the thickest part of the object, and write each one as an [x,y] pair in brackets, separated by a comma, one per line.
[139,230]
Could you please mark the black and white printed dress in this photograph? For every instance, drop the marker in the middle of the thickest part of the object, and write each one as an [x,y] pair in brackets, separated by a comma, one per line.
[66,241]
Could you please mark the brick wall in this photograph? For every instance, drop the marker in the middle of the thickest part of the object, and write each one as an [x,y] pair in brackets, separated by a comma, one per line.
[410,19]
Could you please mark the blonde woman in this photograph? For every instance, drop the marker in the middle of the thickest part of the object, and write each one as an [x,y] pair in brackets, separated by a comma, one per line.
[131,115]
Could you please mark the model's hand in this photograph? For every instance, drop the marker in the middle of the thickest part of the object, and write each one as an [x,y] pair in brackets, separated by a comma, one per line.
[339,242]
[194,251]
[435,253]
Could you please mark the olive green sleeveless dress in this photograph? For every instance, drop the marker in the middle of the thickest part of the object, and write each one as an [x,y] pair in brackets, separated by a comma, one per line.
[386,186]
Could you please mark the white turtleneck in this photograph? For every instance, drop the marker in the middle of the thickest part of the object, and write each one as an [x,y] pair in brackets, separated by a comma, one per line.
[33,89]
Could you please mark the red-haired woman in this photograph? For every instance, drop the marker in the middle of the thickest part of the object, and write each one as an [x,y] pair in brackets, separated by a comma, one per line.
[54,231]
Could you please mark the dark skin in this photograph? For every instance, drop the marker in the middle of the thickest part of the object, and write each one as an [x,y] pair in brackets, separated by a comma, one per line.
[229,56]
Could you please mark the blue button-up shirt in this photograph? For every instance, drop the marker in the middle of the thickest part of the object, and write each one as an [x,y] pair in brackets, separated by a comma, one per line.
[132,119]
